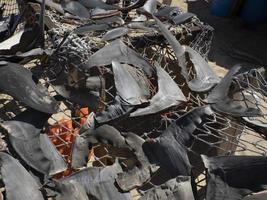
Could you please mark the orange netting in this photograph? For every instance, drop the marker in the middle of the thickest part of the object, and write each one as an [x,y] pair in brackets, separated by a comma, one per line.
[62,134]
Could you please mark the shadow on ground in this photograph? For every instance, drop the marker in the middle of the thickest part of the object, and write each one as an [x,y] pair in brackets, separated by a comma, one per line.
[233,41]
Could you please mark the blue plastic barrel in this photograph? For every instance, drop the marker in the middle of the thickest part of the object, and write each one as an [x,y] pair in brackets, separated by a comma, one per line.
[222,8]
[254,11]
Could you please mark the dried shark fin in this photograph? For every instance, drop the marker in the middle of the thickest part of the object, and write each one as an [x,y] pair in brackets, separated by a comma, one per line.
[228,106]
[84,97]
[177,47]
[139,174]
[24,139]
[169,150]
[97,4]
[115,112]
[79,153]
[25,40]
[173,14]
[109,135]
[168,95]
[234,177]
[70,190]
[184,127]
[115,33]
[19,184]
[167,12]
[8,26]
[104,134]
[17,81]
[170,155]
[35,149]
[136,4]
[136,177]
[80,145]
[107,179]
[142,26]
[84,30]
[253,86]
[223,103]
[113,21]
[76,8]
[99,182]
[58,164]
[221,90]
[53,5]
[136,93]
[150,6]
[30,123]
[205,77]
[118,51]
[95,83]
[31,54]
[182,18]
[34,117]
[99,13]
[176,188]
[259,74]
[22,41]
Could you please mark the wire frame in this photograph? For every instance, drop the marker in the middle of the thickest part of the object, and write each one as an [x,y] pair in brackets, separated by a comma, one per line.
[251,90]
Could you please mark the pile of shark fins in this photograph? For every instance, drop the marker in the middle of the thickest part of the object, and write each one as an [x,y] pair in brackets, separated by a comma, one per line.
[102,119]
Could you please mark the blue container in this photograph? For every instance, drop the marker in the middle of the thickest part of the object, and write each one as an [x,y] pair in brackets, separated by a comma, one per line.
[222,8]
[254,11]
